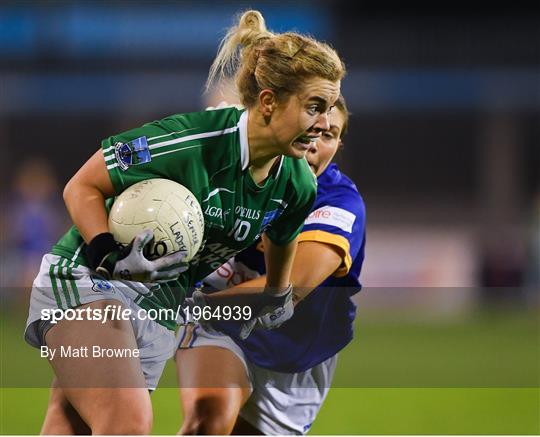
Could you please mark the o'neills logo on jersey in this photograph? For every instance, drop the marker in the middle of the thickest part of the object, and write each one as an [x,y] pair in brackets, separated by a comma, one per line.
[332,216]
[253,214]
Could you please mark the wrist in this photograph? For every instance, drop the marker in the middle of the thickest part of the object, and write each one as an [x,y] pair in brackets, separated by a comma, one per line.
[102,253]
[200,298]
[278,291]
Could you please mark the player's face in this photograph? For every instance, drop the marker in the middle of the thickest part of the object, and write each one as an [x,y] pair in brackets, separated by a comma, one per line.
[321,153]
[300,121]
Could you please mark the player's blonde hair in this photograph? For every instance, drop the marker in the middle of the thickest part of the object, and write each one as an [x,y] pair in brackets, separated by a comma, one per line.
[260,59]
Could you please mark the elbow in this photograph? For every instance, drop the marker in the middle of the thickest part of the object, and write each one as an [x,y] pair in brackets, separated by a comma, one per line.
[69,190]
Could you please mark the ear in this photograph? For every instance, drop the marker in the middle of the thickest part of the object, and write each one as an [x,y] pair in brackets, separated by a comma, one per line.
[267,103]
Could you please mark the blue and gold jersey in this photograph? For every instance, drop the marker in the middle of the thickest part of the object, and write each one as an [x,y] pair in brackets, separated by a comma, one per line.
[323,322]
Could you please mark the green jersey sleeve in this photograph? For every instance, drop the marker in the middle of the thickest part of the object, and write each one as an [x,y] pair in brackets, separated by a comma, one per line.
[303,189]
[178,147]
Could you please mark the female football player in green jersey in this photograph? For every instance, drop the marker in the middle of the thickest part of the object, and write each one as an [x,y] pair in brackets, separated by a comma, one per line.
[246,169]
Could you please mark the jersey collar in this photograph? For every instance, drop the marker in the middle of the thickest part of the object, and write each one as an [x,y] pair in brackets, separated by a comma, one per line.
[244,146]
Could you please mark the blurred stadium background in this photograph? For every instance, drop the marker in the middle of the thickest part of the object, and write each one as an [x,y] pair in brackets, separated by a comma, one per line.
[444,145]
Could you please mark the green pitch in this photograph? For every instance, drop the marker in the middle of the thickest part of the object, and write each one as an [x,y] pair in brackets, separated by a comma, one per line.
[346,411]
[398,377]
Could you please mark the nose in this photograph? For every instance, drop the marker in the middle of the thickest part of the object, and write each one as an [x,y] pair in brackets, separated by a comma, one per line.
[322,123]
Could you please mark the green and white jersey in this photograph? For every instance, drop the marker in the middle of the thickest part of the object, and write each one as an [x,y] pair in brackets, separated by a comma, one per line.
[208,153]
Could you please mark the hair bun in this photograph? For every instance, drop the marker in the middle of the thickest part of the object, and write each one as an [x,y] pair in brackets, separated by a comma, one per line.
[251,28]
[252,20]
[259,59]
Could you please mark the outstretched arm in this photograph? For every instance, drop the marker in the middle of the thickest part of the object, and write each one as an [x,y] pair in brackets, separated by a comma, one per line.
[313,263]
[279,263]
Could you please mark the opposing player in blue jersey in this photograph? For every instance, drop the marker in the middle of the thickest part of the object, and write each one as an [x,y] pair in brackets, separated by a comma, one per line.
[275,381]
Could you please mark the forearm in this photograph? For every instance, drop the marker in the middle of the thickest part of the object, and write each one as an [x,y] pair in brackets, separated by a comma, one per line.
[267,310]
[86,207]
[279,262]
[241,295]
[85,196]
[246,291]
[313,263]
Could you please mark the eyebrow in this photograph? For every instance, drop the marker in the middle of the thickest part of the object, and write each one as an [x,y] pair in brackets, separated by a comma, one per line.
[333,127]
[319,99]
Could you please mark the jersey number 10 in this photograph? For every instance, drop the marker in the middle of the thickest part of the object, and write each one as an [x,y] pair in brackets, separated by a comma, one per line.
[240,230]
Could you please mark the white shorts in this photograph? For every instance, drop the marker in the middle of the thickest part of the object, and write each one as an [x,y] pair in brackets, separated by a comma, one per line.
[280,403]
[62,284]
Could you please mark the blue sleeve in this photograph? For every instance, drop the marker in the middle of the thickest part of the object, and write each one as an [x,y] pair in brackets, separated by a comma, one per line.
[338,218]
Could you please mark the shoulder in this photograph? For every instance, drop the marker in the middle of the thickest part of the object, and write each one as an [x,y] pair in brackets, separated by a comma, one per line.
[201,122]
[337,189]
[212,135]
[335,178]
[181,128]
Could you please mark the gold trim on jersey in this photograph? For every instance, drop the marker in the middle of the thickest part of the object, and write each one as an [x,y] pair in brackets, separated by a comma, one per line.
[337,241]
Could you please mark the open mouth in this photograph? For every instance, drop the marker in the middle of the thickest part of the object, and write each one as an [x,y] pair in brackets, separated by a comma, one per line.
[305,141]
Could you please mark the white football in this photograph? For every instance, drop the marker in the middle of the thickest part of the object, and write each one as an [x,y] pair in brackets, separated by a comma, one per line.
[166,207]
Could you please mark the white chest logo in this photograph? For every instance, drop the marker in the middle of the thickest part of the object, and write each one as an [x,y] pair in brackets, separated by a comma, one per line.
[332,216]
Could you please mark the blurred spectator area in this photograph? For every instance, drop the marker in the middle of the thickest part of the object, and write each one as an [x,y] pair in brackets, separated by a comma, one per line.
[444,134]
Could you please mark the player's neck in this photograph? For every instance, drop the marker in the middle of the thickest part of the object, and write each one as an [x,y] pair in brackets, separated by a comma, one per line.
[262,152]
[260,174]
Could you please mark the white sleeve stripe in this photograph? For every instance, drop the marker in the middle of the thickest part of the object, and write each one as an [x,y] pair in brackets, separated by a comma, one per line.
[177,141]
[176,150]
[162,153]
[172,133]
[216,133]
